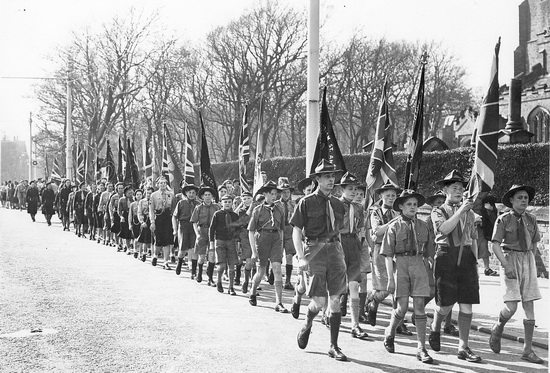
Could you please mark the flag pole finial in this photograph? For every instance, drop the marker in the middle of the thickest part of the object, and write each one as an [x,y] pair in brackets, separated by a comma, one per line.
[424,58]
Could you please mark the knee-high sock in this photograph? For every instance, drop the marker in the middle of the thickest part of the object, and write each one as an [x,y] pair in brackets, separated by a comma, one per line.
[194,266]
[529,327]
[288,268]
[247,274]
[238,272]
[420,321]
[464,323]
[438,319]
[335,321]
[502,320]
[312,311]
[278,291]
[394,322]
[362,302]
[354,312]
[210,271]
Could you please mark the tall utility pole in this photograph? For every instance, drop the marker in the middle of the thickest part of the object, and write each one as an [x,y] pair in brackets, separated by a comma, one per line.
[312,122]
[31,158]
[68,151]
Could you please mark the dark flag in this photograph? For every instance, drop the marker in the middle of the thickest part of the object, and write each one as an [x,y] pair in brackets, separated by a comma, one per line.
[327,146]
[131,175]
[189,170]
[121,160]
[244,152]
[207,175]
[381,166]
[56,175]
[482,178]
[109,164]
[416,140]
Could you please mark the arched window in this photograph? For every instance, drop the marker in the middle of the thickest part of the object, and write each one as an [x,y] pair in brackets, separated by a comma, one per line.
[538,122]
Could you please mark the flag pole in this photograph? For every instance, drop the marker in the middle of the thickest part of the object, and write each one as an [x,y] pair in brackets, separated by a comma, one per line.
[312,122]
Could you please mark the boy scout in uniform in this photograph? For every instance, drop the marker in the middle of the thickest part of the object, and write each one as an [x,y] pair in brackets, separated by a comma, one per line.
[245,250]
[113,214]
[145,237]
[321,216]
[514,243]
[455,265]
[222,240]
[201,219]
[353,222]
[380,217]
[183,228]
[265,232]
[160,213]
[306,187]
[406,240]
[288,208]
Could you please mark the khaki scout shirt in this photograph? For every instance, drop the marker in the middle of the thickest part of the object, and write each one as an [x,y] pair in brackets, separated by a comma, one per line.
[378,218]
[159,202]
[202,215]
[465,226]
[267,217]
[401,238]
[358,218]
[506,231]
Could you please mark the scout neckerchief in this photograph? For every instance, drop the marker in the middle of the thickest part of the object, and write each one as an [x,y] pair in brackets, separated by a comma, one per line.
[411,234]
[522,236]
[271,220]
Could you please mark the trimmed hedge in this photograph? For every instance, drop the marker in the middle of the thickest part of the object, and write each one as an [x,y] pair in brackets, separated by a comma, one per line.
[517,164]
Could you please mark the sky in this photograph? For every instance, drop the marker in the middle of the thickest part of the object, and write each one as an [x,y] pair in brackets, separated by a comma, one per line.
[30,30]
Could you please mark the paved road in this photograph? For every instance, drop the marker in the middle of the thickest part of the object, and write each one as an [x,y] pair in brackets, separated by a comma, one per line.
[103,311]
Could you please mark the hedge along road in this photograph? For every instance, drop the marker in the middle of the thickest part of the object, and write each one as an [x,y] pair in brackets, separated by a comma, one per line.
[103,311]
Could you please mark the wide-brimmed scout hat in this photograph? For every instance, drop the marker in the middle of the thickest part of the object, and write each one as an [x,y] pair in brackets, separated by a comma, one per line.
[305,182]
[186,187]
[348,179]
[227,197]
[326,167]
[388,186]
[452,177]
[246,194]
[516,188]
[431,199]
[489,198]
[283,184]
[267,187]
[205,188]
[406,194]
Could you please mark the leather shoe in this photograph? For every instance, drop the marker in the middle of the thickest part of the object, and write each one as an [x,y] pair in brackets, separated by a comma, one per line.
[136,255]
[532,357]
[435,340]
[336,353]
[403,330]
[220,287]
[199,277]
[303,336]
[389,344]
[178,267]
[245,287]
[288,286]
[280,308]
[357,332]
[424,357]
[143,258]
[295,310]
[468,355]
[494,339]
[154,262]
[451,330]
[252,300]
[371,314]
[231,291]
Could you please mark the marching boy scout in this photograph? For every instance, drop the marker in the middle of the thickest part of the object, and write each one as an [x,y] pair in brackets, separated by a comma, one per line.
[514,243]
[201,219]
[352,224]
[183,228]
[455,264]
[244,241]
[321,216]
[288,208]
[222,240]
[265,232]
[160,213]
[406,240]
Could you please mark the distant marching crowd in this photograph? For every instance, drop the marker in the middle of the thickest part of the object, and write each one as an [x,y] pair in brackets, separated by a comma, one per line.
[336,242]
